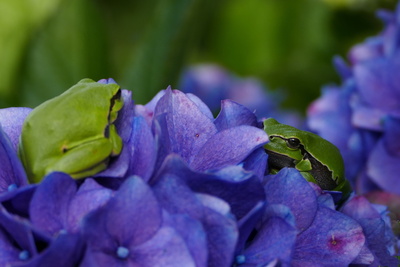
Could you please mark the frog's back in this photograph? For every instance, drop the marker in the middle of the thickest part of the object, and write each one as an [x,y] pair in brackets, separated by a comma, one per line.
[66,112]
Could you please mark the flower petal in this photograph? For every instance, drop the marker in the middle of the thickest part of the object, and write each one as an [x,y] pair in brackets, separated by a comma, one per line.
[185,124]
[166,248]
[49,204]
[143,152]
[333,239]
[11,120]
[289,188]
[275,240]
[228,147]
[233,114]
[131,217]
[12,174]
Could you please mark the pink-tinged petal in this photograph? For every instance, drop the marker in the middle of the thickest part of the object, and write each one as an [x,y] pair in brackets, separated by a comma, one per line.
[380,239]
[333,239]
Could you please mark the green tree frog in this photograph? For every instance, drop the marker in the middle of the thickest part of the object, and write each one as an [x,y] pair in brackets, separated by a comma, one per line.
[318,160]
[73,132]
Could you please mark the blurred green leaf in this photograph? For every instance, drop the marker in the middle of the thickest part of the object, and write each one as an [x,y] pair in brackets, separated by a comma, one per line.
[160,53]
[18,21]
[282,42]
[71,46]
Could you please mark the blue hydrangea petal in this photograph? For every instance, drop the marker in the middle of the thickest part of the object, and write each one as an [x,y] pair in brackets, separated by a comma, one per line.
[165,248]
[392,135]
[275,239]
[364,257]
[247,224]
[257,162]
[201,105]
[11,172]
[333,238]
[49,204]
[118,166]
[222,233]
[130,218]
[289,188]
[386,177]
[228,147]
[342,68]
[186,126]
[144,151]
[17,201]
[11,120]
[19,230]
[233,114]
[372,48]
[8,252]
[123,123]
[64,251]
[89,197]
[193,233]
[379,75]
[240,189]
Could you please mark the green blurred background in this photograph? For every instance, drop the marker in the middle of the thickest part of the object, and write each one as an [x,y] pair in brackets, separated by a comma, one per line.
[46,46]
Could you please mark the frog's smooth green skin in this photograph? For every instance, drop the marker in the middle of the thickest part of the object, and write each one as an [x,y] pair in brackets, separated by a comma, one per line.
[73,132]
[318,160]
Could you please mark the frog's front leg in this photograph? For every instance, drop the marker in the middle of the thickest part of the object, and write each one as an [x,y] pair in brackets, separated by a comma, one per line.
[84,160]
[304,165]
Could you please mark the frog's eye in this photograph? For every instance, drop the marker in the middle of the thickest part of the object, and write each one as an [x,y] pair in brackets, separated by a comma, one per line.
[293,143]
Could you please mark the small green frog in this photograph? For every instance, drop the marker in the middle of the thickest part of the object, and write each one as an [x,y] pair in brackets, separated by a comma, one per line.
[318,160]
[73,132]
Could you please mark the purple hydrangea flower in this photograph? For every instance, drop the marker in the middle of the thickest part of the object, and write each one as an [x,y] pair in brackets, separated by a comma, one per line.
[187,190]
[212,84]
[130,231]
[380,240]
[362,116]
[298,230]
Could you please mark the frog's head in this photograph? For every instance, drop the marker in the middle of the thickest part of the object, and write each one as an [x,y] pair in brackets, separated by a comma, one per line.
[284,147]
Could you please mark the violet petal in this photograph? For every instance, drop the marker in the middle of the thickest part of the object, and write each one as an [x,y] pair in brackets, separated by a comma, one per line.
[144,150]
[233,114]
[289,188]
[186,125]
[238,143]
[333,239]
[12,174]
[11,120]
[49,204]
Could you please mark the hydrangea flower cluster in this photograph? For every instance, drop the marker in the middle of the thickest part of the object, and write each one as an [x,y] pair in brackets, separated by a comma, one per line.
[187,189]
[211,83]
[362,115]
